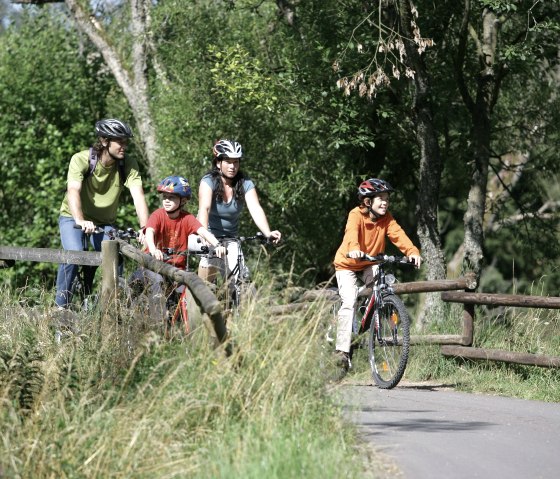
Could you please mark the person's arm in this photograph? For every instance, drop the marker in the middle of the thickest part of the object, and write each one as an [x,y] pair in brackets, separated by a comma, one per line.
[205,195]
[401,240]
[151,244]
[139,199]
[259,216]
[75,205]
[212,241]
[351,235]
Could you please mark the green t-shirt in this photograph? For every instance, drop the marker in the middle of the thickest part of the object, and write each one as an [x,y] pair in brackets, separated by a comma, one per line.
[101,191]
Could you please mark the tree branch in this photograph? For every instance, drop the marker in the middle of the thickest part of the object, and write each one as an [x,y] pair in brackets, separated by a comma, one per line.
[460,59]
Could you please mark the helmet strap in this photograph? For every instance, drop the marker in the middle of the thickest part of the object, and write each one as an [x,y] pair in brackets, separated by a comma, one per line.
[370,209]
[373,213]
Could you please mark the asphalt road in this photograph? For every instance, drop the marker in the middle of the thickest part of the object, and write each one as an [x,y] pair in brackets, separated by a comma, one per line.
[432,433]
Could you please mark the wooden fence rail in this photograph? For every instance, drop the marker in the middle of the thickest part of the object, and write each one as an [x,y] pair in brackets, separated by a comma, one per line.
[108,260]
[48,255]
[452,345]
[519,300]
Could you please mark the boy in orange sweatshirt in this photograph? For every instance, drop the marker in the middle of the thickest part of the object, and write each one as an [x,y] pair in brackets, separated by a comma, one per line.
[366,229]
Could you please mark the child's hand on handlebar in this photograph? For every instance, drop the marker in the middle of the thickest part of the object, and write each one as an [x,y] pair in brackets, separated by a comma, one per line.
[220,251]
[157,254]
[275,236]
[416,259]
[355,254]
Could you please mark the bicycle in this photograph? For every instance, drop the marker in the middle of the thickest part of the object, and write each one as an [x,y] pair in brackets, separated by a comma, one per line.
[237,283]
[176,295]
[80,291]
[381,314]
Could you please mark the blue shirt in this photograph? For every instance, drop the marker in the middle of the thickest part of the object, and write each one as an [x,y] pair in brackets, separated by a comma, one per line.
[223,218]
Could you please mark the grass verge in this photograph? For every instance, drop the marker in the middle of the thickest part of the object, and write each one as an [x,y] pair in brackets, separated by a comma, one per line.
[535,331]
[114,399]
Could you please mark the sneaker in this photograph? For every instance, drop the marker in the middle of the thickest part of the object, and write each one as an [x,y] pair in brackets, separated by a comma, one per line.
[343,360]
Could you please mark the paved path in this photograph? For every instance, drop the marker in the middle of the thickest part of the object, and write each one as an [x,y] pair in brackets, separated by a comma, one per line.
[434,433]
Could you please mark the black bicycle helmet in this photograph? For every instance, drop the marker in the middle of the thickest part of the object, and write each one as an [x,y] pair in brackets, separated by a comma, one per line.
[113,128]
[372,187]
[228,148]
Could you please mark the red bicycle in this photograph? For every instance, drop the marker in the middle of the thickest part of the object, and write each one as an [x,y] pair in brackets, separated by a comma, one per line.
[177,297]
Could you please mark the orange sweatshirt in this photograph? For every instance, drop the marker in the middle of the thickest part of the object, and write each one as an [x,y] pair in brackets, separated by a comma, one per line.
[363,234]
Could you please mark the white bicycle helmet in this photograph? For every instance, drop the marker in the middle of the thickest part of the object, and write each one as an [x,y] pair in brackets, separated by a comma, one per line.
[228,148]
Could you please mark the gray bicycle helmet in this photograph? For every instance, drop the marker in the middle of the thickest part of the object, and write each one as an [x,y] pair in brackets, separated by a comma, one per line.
[113,128]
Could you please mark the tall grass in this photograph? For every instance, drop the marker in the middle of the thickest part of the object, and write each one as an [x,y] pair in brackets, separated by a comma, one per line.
[524,330]
[115,399]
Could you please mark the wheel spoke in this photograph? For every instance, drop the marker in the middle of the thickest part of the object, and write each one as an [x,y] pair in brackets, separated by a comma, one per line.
[389,342]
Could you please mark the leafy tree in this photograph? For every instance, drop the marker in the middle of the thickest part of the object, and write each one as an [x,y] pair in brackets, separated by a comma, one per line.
[122,37]
[53,87]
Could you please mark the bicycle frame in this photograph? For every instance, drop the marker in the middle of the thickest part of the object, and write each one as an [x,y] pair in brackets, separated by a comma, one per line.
[239,275]
[180,313]
[374,300]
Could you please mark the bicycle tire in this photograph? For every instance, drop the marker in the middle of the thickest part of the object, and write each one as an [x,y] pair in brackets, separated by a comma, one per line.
[389,342]
[248,294]
[180,316]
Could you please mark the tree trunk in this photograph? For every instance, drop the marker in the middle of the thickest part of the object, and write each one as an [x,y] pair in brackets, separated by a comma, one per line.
[430,169]
[135,86]
[481,110]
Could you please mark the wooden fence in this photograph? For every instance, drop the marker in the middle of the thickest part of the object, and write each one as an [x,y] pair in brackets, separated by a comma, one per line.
[455,345]
[452,290]
[108,259]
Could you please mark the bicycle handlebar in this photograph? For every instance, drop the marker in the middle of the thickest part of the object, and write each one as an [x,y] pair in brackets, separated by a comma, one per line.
[129,233]
[97,229]
[170,253]
[383,258]
[242,239]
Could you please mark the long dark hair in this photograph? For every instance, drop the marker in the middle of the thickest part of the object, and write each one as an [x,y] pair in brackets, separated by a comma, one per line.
[98,147]
[218,189]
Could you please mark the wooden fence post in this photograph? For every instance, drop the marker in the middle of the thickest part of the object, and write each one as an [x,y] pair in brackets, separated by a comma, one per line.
[468,325]
[109,271]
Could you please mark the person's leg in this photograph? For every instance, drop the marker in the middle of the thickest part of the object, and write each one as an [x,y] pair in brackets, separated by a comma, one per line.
[210,268]
[234,255]
[72,240]
[347,291]
[206,271]
[144,279]
[369,274]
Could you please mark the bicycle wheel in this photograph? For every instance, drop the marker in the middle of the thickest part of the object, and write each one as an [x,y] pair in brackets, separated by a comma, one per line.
[389,342]
[247,294]
[181,317]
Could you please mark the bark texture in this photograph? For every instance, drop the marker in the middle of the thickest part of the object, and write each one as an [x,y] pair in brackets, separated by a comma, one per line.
[480,109]
[430,169]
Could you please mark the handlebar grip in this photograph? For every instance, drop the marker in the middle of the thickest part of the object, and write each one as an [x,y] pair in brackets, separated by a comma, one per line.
[97,229]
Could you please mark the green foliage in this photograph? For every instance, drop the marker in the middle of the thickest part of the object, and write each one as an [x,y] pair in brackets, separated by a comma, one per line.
[52,90]
[237,69]
[240,79]
[21,376]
